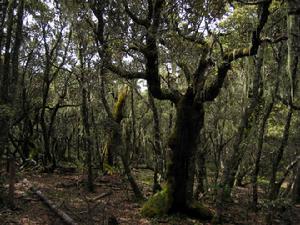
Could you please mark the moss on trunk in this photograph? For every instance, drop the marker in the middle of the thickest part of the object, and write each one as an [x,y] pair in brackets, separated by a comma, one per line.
[177,197]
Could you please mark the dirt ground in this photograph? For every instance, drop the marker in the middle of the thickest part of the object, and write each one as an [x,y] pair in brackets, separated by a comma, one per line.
[112,199]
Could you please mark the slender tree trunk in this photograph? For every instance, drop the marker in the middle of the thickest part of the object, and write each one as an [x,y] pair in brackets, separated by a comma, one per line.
[117,143]
[125,157]
[293,30]
[5,75]
[201,174]
[233,161]
[296,186]
[261,134]
[274,186]
[87,139]
[3,10]
[12,181]
[46,139]
[135,150]
[158,168]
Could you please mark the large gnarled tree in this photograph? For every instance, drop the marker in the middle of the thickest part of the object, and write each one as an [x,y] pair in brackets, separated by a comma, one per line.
[147,42]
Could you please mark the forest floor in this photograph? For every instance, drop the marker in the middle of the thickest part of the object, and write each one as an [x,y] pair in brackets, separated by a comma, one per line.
[112,198]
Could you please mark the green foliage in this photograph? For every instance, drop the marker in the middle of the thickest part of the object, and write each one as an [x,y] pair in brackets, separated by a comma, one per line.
[6,111]
[109,169]
[158,205]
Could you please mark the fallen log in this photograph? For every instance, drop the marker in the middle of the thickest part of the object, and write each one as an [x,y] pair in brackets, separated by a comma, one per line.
[62,215]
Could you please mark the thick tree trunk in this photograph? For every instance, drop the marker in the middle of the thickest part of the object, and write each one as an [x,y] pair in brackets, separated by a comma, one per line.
[183,145]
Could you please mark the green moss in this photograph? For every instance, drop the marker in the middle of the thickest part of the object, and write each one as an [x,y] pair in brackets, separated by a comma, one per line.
[158,205]
[119,105]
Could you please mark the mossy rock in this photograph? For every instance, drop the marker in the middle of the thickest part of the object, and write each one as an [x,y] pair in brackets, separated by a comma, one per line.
[158,205]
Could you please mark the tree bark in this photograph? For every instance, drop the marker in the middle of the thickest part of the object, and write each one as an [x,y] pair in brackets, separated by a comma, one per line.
[5,82]
[12,181]
[296,186]
[293,30]
[274,185]
[158,168]
[117,143]
[183,145]
[87,137]
[261,134]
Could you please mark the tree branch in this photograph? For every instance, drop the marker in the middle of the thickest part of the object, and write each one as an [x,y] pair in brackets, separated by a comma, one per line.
[142,22]
[125,73]
[288,169]
[213,91]
[287,103]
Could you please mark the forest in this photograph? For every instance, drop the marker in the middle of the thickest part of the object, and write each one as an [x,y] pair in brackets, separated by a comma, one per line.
[149,112]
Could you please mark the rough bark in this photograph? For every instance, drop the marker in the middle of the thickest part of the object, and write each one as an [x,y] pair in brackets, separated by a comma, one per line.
[183,145]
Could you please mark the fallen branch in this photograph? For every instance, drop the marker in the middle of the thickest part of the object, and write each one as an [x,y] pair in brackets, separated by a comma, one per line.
[102,195]
[62,215]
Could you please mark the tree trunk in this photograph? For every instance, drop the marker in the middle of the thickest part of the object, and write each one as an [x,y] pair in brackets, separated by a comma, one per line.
[293,30]
[274,186]
[5,75]
[116,142]
[201,174]
[183,145]
[158,168]
[233,161]
[261,134]
[12,181]
[87,139]
[296,186]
